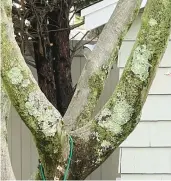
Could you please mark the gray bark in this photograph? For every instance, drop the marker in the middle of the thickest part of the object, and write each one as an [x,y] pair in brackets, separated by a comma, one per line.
[97,139]
[121,114]
[40,116]
[6,167]
[98,66]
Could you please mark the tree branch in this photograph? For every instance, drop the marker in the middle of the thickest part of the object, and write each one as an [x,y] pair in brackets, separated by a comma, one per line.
[6,167]
[76,25]
[43,120]
[19,80]
[122,112]
[94,74]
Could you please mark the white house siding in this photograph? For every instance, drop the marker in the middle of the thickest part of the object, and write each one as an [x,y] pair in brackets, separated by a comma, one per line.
[22,149]
[146,153]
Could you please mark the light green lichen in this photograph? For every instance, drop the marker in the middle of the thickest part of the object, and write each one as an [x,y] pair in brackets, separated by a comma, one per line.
[15,75]
[113,119]
[152,22]
[110,125]
[17,78]
[47,116]
[140,65]
[97,81]
[122,112]
[165,3]
[105,112]
[25,83]
[105,144]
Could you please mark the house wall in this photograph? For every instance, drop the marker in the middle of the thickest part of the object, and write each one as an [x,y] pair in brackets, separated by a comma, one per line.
[146,153]
[22,149]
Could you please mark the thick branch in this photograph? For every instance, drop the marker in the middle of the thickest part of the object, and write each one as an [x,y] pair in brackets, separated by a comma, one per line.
[6,167]
[44,121]
[98,66]
[22,87]
[121,114]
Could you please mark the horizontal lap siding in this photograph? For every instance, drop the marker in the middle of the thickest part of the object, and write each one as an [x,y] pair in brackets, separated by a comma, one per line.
[146,160]
[157,107]
[150,134]
[139,177]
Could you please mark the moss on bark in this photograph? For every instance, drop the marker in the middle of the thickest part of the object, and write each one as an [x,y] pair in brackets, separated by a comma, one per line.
[97,80]
[117,119]
[122,112]
[44,121]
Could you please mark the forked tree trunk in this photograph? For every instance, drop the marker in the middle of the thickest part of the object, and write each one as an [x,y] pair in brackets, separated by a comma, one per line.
[94,142]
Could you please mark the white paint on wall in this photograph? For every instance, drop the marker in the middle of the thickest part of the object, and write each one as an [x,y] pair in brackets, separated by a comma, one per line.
[146,177]
[146,160]
[150,134]
[157,107]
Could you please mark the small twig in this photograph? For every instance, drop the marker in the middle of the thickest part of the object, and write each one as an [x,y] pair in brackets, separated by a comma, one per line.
[30,63]
[76,25]
[77,44]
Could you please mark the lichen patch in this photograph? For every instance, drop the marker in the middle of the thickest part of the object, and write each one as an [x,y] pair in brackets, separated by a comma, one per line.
[111,126]
[122,112]
[25,83]
[15,76]
[105,144]
[119,115]
[47,116]
[140,64]
[152,22]
[104,113]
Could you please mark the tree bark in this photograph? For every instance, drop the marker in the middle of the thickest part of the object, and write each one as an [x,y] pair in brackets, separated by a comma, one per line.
[6,167]
[120,115]
[45,73]
[94,142]
[39,115]
[98,66]
[53,61]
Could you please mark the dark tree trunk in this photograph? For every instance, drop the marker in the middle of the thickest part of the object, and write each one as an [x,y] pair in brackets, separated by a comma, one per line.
[44,66]
[53,62]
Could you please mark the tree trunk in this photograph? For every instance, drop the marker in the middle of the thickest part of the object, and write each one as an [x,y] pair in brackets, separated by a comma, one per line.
[53,62]
[94,142]
[45,74]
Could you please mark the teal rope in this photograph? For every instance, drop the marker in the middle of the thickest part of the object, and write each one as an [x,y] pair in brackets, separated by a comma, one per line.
[41,171]
[69,158]
[68,164]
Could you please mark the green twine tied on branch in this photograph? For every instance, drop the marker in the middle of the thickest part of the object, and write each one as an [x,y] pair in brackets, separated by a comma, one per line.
[41,169]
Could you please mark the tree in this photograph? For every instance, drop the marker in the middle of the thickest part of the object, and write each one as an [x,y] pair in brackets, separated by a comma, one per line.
[49,29]
[94,138]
